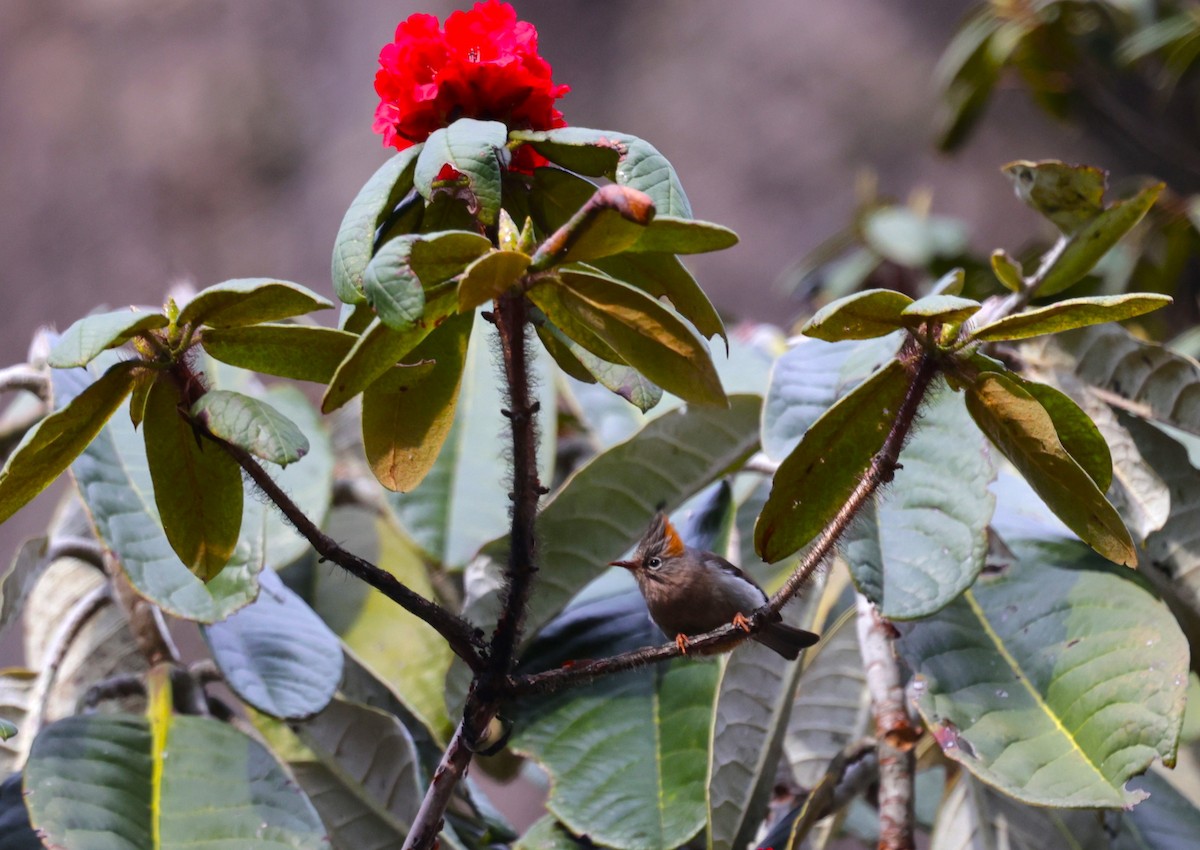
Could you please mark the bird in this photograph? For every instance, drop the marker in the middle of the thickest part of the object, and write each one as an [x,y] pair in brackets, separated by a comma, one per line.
[690,591]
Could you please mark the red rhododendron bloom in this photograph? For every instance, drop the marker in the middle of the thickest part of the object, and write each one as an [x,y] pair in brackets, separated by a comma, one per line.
[484,65]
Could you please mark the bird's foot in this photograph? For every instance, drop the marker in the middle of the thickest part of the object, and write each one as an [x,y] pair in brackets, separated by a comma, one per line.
[739,620]
[681,641]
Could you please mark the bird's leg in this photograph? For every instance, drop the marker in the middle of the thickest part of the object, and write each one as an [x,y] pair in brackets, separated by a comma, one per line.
[681,641]
[739,620]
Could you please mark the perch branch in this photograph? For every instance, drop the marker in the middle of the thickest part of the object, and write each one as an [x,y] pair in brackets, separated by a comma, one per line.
[457,631]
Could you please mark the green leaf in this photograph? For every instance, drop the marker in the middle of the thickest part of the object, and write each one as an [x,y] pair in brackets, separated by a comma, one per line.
[254,425]
[392,287]
[403,430]
[250,301]
[463,502]
[277,654]
[475,149]
[1075,429]
[1008,271]
[813,482]
[48,448]
[1073,313]
[1070,196]
[367,785]
[623,380]
[639,783]
[437,257]
[197,487]
[275,349]
[1055,680]
[925,540]
[546,833]
[624,159]
[951,283]
[218,789]
[645,334]
[604,506]
[668,234]
[1085,248]
[379,348]
[1139,377]
[7,729]
[489,277]
[1020,427]
[939,308]
[808,378]
[863,315]
[115,484]
[664,276]
[356,235]
[92,334]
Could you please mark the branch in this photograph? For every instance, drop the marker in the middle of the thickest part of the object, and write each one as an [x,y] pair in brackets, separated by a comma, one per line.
[25,377]
[893,729]
[450,770]
[458,632]
[881,471]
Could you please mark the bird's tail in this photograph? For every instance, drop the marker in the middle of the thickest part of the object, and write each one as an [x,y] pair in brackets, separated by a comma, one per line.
[786,640]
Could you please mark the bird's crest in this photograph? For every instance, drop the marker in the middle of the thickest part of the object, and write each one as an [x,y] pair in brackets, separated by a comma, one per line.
[663,537]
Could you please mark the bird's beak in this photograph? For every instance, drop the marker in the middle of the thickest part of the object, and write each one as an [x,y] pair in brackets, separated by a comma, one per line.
[629,565]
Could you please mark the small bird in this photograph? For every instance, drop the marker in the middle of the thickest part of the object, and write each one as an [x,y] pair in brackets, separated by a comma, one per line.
[690,591]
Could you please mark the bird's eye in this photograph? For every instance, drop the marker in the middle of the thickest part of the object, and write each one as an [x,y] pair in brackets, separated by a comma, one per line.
[654,563]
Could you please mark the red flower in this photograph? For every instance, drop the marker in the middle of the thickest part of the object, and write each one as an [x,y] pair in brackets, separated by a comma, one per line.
[484,65]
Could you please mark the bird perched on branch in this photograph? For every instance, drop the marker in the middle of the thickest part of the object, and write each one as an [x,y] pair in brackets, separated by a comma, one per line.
[690,591]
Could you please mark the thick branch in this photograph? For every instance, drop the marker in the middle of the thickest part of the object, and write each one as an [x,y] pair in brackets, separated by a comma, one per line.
[450,771]
[894,730]
[457,631]
[881,471]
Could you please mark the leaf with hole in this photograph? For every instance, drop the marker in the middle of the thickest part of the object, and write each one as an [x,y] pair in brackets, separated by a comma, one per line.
[477,151]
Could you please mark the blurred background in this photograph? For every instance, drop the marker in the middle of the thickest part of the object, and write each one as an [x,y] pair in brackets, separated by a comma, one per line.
[144,142]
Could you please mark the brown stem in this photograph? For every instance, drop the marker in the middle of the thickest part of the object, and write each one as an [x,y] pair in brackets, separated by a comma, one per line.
[450,771]
[881,471]
[458,632]
[894,731]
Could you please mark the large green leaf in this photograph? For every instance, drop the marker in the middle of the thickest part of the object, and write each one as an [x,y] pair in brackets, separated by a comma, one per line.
[1069,314]
[106,782]
[664,276]
[366,785]
[1078,434]
[1140,377]
[197,486]
[380,348]
[813,482]
[277,654]
[302,352]
[392,288]
[808,378]
[92,334]
[926,538]
[583,365]
[252,424]
[625,159]
[546,833]
[670,234]
[1093,240]
[632,778]
[356,235]
[463,502]
[1020,427]
[248,301]
[648,336]
[476,150]
[604,506]
[1055,679]
[403,430]
[48,448]
[863,315]
[114,481]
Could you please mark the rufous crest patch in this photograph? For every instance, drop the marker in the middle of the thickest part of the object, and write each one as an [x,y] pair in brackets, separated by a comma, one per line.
[674,543]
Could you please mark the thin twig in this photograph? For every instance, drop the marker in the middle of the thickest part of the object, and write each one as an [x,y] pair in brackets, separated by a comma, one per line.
[453,766]
[25,377]
[894,730]
[461,636]
[880,472]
